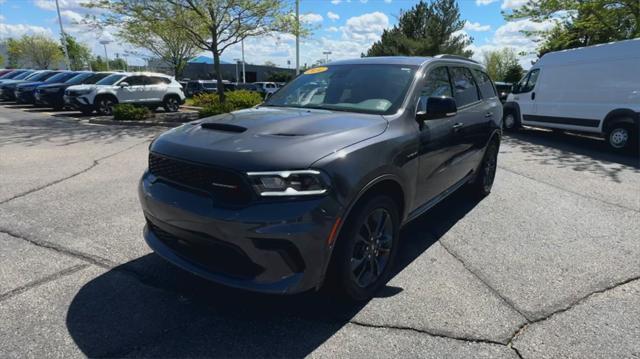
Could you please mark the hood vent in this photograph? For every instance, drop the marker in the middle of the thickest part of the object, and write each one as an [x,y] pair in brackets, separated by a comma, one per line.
[223,127]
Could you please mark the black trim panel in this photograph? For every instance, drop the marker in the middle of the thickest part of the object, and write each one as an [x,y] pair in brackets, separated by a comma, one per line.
[563,120]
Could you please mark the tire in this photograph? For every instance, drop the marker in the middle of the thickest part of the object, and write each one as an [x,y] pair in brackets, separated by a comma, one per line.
[363,261]
[621,136]
[483,183]
[105,105]
[509,122]
[171,104]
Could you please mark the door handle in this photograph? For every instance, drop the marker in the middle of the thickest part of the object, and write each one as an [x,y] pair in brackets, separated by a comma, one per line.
[533,95]
[488,114]
[456,127]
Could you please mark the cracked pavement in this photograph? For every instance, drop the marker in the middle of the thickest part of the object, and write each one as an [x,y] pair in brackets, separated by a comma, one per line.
[547,266]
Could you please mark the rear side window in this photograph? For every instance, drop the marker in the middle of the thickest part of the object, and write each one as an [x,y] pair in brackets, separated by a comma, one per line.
[155,80]
[437,83]
[484,84]
[135,80]
[465,90]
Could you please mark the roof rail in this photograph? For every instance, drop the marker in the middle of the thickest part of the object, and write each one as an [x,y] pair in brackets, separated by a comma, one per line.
[455,57]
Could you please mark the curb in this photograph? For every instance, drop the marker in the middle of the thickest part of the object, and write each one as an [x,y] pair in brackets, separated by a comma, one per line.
[135,123]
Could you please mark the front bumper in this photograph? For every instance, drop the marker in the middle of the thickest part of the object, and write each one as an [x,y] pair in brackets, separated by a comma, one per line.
[24,97]
[7,93]
[272,247]
[48,99]
[77,102]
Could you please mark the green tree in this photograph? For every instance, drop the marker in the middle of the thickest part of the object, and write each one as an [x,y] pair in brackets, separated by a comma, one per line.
[79,54]
[269,63]
[40,51]
[14,53]
[98,64]
[146,30]
[498,62]
[215,25]
[426,29]
[514,73]
[581,23]
[280,76]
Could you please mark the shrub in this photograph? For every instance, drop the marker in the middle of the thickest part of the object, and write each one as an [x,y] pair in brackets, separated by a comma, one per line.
[127,112]
[235,100]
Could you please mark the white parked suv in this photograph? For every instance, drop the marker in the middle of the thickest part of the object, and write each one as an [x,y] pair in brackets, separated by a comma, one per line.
[593,89]
[139,88]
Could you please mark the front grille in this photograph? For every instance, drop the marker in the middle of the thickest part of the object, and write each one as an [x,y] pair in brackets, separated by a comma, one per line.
[224,186]
[210,253]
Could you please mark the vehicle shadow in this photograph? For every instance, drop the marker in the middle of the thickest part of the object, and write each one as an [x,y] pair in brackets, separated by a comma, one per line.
[168,312]
[578,152]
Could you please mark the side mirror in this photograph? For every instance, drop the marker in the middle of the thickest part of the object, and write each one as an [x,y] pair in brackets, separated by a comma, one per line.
[433,108]
[124,84]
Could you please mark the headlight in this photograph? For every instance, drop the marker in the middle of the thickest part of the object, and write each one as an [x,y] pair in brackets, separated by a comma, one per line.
[49,90]
[289,183]
[26,89]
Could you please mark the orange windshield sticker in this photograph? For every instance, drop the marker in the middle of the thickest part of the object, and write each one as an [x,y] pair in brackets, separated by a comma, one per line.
[316,70]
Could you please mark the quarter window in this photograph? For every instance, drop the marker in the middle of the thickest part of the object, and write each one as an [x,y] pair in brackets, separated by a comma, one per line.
[158,80]
[465,90]
[484,83]
[437,84]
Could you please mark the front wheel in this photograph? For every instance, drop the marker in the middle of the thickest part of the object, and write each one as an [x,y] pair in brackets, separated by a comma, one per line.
[367,248]
[509,122]
[105,106]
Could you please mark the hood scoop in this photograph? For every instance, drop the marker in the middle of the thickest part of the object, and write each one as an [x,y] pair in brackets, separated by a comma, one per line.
[223,127]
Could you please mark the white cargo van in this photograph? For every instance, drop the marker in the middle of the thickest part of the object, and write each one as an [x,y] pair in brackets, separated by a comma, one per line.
[592,89]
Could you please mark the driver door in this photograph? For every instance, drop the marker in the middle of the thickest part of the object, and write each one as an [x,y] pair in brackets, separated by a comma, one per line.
[526,95]
[134,92]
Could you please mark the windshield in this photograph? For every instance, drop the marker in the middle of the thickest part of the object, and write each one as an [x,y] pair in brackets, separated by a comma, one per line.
[78,78]
[60,77]
[39,76]
[23,75]
[111,79]
[358,88]
[10,75]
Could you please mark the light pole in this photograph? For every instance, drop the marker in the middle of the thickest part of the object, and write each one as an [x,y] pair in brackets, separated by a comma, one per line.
[104,43]
[327,53]
[237,74]
[244,78]
[297,37]
[64,38]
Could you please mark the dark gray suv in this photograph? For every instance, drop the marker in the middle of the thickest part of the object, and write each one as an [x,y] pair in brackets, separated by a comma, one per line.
[313,185]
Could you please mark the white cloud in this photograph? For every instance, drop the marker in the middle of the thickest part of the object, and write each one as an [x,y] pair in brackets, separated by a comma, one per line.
[17,30]
[364,1]
[1,16]
[476,26]
[510,35]
[333,16]
[366,27]
[311,18]
[336,2]
[332,29]
[485,2]
[387,1]
[512,4]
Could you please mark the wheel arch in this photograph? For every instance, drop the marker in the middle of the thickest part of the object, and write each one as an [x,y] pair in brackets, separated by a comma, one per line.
[620,115]
[511,107]
[103,95]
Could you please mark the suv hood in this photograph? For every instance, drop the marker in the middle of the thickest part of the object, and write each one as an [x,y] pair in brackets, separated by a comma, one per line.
[29,84]
[12,83]
[53,85]
[268,138]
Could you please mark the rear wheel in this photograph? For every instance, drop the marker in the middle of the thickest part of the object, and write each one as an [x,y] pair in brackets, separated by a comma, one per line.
[621,137]
[367,248]
[171,104]
[105,106]
[483,182]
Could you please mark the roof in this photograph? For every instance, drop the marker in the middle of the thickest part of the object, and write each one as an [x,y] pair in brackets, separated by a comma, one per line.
[610,51]
[400,60]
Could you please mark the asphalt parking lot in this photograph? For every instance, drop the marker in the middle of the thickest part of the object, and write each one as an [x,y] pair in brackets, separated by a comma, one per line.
[547,266]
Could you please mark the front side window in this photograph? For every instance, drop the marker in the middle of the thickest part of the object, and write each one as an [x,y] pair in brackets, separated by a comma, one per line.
[360,88]
[465,90]
[110,80]
[484,84]
[528,82]
[136,80]
[437,84]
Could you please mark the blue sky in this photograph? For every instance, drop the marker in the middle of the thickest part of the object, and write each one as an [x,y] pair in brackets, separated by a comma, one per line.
[344,27]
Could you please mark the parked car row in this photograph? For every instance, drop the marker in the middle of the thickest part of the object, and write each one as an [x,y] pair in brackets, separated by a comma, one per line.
[196,87]
[88,91]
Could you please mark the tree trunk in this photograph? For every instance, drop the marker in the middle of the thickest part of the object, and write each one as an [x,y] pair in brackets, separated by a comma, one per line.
[219,85]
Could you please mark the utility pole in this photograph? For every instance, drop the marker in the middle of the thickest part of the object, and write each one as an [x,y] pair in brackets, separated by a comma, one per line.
[104,42]
[297,37]
[244,78]
[64,38]
[237,74]
[327,53]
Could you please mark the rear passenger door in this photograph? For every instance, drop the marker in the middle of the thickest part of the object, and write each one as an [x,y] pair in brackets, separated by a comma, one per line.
[471,116]
[156,88]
